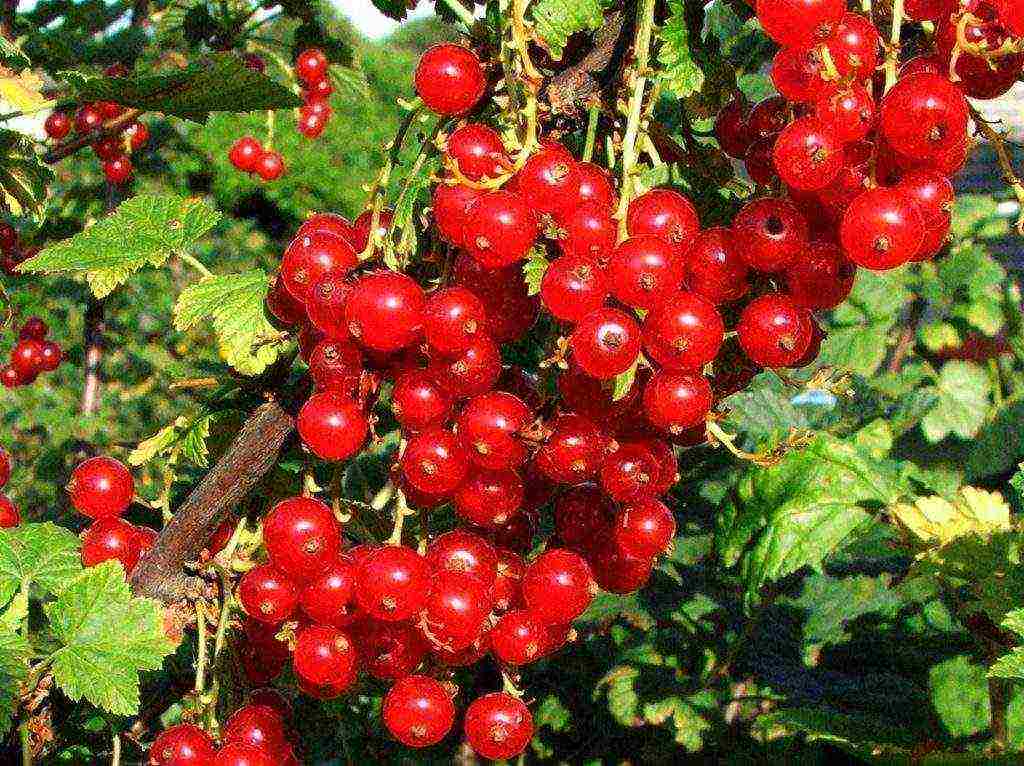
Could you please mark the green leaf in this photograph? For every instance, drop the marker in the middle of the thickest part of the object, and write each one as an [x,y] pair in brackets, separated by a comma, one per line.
[681,74]
[807,506]
[688,723]
[554,21]
[959,695]
[1011,665]
[23,177]
[395,9]
[413,195]
[144,230]
[534,269]
[106,638]
[963,389]
[624,381]
[219,83]
[234,305]
[43,555]
[1000,443]
[623,701]
[14,655]
[1017,486]
[12,57]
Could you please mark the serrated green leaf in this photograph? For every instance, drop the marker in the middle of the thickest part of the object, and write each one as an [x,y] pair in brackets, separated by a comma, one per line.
[619,686]
[554,21]
[963,400]
[1011,665]
[106,638]
[534,269]
[959,694]
[219,83]
[1000,443]
[14,614]
[234,304]
[14,655]
[144,230]
[682,75]
[185,437]
[157,444]
[24,179]
[43,555]
[412,196]
[394,9]
[11,56]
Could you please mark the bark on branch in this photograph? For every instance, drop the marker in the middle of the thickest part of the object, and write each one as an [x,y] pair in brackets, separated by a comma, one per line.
[570,91]
[160,573]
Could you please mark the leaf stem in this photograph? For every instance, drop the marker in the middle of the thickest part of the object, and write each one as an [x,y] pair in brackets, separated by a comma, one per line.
[1004,160]
[593,113]
[115,756]
[530,75]
[201,643]
[892,53]
[402,510]
[641,50]
[195,263]
[26,745]
[464,14]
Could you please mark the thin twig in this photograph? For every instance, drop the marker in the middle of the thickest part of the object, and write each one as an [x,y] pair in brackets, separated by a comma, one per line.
[998,141]
[892,53]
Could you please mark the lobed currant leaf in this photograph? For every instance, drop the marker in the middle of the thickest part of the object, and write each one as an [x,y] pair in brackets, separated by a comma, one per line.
[41,555]
[555,21]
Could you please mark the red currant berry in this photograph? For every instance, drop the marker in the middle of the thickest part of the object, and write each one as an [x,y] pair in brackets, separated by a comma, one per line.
[27,358]
[466,553]
[489,498]
[508,583]
[590,232]
[88,118]
[684,333]
[665,214]
[5,468]
[385,311]
[33,329]
[434,462]
[498,726]
[363,223]
[418,401]
[645,528]
[456,609]
[881,229]
[146,538]
[336,366]
[758,161]
[489,428]
[820,279]
[573,452]
[10,377]
[799,22]
[643,271]
[245,154]
[452,319]
[605,343]
[301,536]
[769,233]
[731,128]
[549,182]
[474,372]
[10,516]
[500,231]
[714,269]
[182,745]
[418,711]
[928,10]
[235,754]
[849,111]
[768,117]
[572,287]
[518,638]
[311,123]
[57,125]
[630,473]
[808,154]
[110,538]
[327,598]
[797,73]
[138,135]
[389,650]
[451,210]
[478,152]
[392,583]
[270,166]
[450,79]
[618,571]
[332,425]
[774,331]
[311,66]
[311,258]
[325,303]
[328,223]
[558,586]
[325,656]
[924,115]
[282,305]
[595,186]
[109,147]
[854,45]
[257,726]
[979,76]
[582,515]
[267,594]
[118,170]
[101,487]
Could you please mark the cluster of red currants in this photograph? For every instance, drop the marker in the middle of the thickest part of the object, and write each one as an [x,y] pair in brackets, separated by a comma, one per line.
[255,735]
[868,167]
[31,355]
[102,488]
[12,251]
[112,147]
[10,516]
[313,70]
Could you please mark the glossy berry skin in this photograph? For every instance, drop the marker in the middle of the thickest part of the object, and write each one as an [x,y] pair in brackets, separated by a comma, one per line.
[488,429]
[302,537]
[932,194]
[498,725]
[799,22]
[518,638]
[573,452]
[572,287]
[500,231]
[138,135]
[267,595]
[363,223]
[236,754]
[854,45]
[311,123]
[631,472]
[665,214]
[808,154]
[821,278]
[451,203]
[326,598]
[618,571]
[582,515]
[923,115]
[549,181]
[336,366]
[558,586]
[182,745]
[456,609]
[758,161]
[27,358]
[769,233]
[478,152]
[768,117]
[325,656]
[101,487]
[450,79]
[979,77]
[684,332]
[452,319]
[644,270]
[5,467]
[325,302]
[850,112]
[311,66]
[471,373]
[110,538]
[392,583]
[118,170]
[332,425]
[270,166]
[418,711]
[10,516]
[731,129]
[881,229]
[57,125]
[10,377]
[605,343]
[508,583]
[385,311]
[590,232]
[489,498]
[418,401]
[797,73]
[257,726]
[329,223]
[108,147]
[389,650]
[773,331]
[645,528]
[714,269]
[311,258]
[245,154]
[88,118]
[466,553]
[595,186]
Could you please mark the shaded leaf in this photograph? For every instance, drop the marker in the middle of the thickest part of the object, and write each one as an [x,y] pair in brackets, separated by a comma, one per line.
[43,555]
[554,21]
[963,399]
[682,75]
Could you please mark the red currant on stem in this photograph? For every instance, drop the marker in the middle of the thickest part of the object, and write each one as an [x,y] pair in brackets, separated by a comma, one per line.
[501,229]
[605,343]
[456,609]
[489,498]
[418,711]
[301,536]
[57,125]
[118,170]
[110,538]
[714,269]
[392,583]
[311,66]
[327,598]
[418,402]
[182,745]
[451,206]
[267,595]
[558,586]
[245,154]
[774,331]
[465,552]
[10,516]
[101,487]
[324,656]
[665,214]
[683,333]
[384,311]
[478,152]
[255,725]
[332,425]
[881,229]
[769,233]
[270,166]
[498,726]
[572,287]
[450,79]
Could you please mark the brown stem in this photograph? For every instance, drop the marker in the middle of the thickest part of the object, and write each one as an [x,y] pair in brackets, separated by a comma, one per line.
[571,90]
[160,573]
[95,325]
[999,703]
[69,147]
